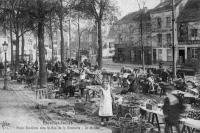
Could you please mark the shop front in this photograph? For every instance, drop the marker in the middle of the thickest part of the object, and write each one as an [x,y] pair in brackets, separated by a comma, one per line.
[133,55]
[162,55]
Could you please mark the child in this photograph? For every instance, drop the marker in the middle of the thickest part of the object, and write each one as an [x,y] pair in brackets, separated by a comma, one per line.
[105,109]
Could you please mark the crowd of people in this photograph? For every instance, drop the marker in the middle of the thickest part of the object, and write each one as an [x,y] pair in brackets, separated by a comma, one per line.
[71,78]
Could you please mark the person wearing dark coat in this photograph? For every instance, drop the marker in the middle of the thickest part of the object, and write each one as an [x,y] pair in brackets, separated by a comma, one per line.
[173,108]
[165,76]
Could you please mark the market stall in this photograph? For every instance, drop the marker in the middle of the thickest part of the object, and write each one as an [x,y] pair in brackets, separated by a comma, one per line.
[190,125]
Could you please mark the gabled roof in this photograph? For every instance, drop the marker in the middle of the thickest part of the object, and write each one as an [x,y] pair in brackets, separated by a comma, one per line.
[165,6]
[133,17]
[191,12]
[130,18]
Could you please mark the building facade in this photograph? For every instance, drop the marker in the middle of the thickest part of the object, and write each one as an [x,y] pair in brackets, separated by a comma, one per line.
[161,21]
[128,38]
[188,25]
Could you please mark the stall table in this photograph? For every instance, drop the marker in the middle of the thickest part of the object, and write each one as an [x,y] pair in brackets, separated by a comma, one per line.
[190,125]
[186,94]
[154,115]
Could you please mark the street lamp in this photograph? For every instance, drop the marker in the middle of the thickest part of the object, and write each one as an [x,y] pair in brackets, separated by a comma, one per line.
[5,47]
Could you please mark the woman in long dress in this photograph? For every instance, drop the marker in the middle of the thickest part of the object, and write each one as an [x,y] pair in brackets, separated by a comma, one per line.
[105,109]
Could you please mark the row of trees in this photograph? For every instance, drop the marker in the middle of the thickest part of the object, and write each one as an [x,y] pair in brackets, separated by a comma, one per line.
[21,16]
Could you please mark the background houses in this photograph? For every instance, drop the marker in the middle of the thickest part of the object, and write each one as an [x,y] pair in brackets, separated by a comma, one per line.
[189,31]
[126,34]
[157,33]
[161,21]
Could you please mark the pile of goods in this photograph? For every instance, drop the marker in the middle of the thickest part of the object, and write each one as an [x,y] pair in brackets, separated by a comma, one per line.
[146,127]
[131,100]
[194,115]
[114,122]
[130,124]
[196,105]
[89,108]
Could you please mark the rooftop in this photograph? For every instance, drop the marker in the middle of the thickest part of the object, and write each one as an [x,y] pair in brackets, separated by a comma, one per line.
[134,16]
[191,12]
[165,6]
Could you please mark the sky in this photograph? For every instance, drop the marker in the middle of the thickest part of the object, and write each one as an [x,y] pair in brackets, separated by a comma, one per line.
[127,6]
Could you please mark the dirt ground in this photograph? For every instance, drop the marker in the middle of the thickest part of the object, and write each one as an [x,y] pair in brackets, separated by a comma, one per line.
[18,113]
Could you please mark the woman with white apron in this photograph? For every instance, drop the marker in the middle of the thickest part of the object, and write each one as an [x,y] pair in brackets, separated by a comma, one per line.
[105,109]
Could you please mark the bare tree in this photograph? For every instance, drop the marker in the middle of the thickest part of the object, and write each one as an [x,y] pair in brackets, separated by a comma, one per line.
[37,11]
[16,22]
[141,5]
[100,10]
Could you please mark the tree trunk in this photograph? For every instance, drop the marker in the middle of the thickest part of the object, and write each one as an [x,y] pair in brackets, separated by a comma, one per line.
[22,48]
[51,36]
[42,63]
[99,57]
[61,35]
[17,51]
[11,43]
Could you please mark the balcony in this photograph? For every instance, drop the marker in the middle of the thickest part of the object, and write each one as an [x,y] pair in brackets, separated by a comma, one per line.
[188,42]
[161,30]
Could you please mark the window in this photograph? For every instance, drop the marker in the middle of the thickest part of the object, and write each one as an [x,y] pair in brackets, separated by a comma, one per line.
[168,21]
[159,39]
[132,55]
[160,54]
[159,23]
[148,39]
[194,32]
[59,51]
[131,28]
[168,36]
[169,55]
[120,37]
[55,52]
[194,53]
[148,27]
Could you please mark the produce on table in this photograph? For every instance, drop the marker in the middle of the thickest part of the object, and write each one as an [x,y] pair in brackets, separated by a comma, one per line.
[194,115]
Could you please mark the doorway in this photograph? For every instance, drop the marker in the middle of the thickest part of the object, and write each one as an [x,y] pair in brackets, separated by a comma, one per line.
[181,56]
[154,56]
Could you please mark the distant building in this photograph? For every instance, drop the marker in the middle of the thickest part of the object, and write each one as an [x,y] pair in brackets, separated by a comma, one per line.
[126,35]
[161,21]
[189,31]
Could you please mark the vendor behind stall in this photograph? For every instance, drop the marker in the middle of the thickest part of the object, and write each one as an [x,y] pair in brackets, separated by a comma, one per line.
[105,109]
[165,75]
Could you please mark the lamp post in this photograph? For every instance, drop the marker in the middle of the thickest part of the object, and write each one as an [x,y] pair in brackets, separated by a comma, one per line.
[5,47]
[173,42]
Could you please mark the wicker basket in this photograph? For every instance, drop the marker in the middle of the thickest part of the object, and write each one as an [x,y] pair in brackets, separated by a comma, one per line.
[127,124]
[116,129]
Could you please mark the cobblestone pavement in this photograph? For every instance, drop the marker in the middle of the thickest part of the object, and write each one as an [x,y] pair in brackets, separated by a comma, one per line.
[18,114]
